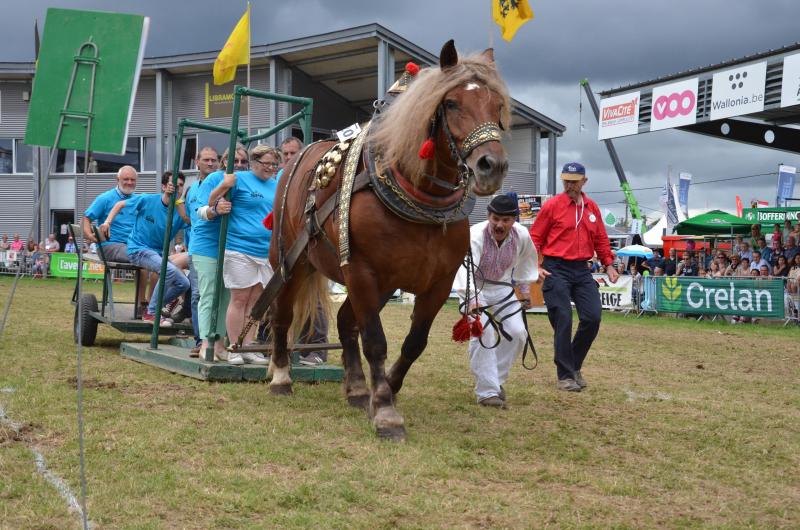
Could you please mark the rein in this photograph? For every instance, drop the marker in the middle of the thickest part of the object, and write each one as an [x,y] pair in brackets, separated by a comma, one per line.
[494,322]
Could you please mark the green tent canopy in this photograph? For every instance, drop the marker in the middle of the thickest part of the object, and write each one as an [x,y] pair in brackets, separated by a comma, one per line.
[715,222]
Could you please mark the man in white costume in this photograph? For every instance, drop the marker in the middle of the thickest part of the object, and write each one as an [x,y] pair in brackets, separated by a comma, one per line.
[504,257]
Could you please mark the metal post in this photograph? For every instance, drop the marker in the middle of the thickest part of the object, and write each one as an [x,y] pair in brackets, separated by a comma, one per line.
[223,226]
[162,279]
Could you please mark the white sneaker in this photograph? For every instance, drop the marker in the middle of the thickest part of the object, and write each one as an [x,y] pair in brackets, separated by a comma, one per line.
[235,358]
[254,358]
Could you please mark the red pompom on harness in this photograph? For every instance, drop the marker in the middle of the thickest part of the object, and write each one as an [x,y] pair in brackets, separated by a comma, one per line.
[427,149]
[412,68]
[466,328]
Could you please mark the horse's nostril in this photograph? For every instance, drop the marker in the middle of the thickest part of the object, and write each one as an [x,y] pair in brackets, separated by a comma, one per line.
[486,163]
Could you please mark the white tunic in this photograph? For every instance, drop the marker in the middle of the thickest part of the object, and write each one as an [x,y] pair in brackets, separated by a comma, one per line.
[491,365]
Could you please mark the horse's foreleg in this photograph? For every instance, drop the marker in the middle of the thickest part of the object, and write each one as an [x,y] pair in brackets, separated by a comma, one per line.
[426,307]
[355,384]
[387,421]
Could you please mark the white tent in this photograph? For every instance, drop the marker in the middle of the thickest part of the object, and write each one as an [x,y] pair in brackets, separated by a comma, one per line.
[652,238]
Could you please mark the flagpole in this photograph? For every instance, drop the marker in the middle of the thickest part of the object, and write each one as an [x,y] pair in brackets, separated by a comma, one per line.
[249,58]
[491,23]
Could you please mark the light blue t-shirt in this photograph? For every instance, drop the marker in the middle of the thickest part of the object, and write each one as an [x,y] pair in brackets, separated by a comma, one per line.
[123,222]
[151,223]
[204,240]
[252,200]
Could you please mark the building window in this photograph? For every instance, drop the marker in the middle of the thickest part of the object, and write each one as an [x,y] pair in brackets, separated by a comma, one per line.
[149,154]
[189,152]
[65,162]
[23,156]
[105,163]
[6,156]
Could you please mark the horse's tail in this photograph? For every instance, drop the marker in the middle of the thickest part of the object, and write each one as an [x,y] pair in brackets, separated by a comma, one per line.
[311,303]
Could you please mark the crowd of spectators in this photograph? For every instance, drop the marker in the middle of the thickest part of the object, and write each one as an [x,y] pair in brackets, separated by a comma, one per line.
[776,256]
[34,258]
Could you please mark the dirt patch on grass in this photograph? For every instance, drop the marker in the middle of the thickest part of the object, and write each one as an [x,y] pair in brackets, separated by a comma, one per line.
[91,383]
[18,432]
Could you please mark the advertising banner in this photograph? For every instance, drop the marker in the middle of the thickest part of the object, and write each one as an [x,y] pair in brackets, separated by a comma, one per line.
[615,295]
[66,266]
[738,91]
[786,177]
[674,105]
[790,87]
[771,216]
[619,116]
[683,192]
[219,101]
[529,206]
[751,298]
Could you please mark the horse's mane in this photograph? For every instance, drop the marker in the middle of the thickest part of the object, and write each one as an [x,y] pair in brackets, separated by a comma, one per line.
[402,129]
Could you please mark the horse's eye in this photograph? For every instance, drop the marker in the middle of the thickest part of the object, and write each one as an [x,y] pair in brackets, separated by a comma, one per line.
[449,104]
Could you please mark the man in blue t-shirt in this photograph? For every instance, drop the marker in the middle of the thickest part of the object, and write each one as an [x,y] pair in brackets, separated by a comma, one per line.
[114,247]
[146,239]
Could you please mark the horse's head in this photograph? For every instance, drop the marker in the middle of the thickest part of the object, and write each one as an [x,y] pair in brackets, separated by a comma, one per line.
[471,118]
[463,106]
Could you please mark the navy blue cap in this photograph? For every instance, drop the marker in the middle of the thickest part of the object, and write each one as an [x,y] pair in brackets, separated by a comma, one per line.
[504,205]
[573,171]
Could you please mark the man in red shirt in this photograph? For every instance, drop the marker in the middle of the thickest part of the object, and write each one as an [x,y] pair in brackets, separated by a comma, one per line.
[567,232]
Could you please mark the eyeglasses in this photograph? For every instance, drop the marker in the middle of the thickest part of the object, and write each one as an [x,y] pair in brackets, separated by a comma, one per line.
[240,161]
[272,165]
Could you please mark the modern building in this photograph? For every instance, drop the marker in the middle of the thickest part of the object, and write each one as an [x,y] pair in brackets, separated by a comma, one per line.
[343,71]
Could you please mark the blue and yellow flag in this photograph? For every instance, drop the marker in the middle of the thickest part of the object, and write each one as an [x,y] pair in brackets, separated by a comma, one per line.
[510,15]
[235,52]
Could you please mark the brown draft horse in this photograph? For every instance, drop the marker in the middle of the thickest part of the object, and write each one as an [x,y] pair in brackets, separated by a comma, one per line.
[387,251]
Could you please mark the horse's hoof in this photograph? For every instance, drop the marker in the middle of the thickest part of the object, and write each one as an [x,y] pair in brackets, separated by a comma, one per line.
[394,434]
[280,390]
[359,402]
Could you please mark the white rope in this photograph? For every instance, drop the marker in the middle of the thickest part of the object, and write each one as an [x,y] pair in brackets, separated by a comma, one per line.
[57,482]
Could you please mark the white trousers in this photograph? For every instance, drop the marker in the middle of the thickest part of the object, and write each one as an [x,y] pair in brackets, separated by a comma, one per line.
[490,366]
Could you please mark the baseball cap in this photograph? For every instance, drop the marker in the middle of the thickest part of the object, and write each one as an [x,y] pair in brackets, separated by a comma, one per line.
[573,171]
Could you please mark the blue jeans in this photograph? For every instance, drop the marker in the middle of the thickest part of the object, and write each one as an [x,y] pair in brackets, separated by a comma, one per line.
[195,299]
[176,283]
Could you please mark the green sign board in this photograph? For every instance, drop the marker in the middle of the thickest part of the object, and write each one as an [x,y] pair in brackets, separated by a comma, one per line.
[116,46]
[732,296]
[66,266]
[770,215]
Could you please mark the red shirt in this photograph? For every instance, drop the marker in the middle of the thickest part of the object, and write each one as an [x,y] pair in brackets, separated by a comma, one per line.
[571,232]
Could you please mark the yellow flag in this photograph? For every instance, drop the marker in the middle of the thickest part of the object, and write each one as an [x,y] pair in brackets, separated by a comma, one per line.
[510,15]
[235,52]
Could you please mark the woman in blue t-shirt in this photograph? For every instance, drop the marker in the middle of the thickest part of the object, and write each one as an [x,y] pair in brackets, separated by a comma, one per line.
[246,268]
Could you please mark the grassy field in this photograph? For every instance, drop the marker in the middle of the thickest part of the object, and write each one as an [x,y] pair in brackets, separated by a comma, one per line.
[684,425]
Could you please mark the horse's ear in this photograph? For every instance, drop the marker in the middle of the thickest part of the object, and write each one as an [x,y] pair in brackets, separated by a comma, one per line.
[489,54]
[448,57]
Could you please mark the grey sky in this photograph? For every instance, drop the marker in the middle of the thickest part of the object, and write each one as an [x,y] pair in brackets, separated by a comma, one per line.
[611,42]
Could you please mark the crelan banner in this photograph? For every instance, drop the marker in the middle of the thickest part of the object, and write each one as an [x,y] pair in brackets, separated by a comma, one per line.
[755,298]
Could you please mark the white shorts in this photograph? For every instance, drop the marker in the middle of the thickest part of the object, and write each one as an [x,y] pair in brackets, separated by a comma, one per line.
[240,271]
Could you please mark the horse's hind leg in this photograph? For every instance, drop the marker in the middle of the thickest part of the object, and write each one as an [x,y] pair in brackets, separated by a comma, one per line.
[282,315]
[426,307]
[355,384]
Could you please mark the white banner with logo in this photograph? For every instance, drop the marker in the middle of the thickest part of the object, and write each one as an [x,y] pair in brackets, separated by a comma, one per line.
[615,295]
[619,116]
[738,91]
[790,87]
[674,105]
